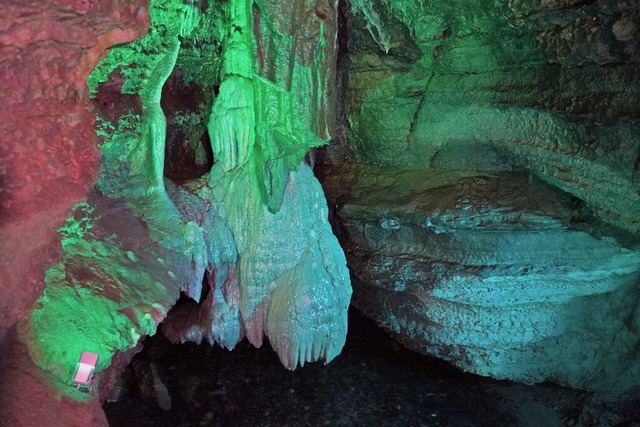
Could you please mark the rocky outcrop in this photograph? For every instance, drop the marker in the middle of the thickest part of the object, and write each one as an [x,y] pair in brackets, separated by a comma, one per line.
[493,219]
[49,154]
[499,274]
[252,226]
[548,87]
[27,398]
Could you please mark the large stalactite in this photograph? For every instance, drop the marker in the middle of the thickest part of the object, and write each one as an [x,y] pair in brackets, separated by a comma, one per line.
[483,181]
[256,222]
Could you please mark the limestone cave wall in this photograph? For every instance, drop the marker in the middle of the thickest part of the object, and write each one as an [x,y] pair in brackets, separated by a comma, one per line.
[49,154]
[482,177]
[485,186]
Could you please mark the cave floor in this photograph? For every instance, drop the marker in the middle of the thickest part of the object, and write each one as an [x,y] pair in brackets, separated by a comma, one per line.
[374,382]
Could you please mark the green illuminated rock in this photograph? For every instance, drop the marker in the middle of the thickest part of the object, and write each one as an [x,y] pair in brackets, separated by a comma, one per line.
[457,113]
[255,225]
[498,274]
[275,96]
[503,240]
[489,86]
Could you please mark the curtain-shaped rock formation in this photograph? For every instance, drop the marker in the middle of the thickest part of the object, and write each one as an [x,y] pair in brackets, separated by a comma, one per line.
[255,225]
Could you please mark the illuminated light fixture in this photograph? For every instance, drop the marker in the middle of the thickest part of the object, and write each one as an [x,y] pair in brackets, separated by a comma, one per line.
[84,373]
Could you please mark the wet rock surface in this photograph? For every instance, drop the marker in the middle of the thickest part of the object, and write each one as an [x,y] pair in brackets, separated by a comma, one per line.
[258,228]
[485,184]
[542,87]
[375,381]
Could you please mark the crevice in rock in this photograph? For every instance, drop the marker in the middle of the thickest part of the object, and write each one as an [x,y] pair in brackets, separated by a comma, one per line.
[111,103]
[188,153]
[343,38]
[580,4]
[416,114]
[188,319]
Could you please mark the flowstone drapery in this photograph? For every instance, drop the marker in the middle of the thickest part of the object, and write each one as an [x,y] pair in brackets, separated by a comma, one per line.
[254,226]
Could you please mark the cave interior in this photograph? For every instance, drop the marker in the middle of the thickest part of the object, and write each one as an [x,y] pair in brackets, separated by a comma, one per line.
[391,212]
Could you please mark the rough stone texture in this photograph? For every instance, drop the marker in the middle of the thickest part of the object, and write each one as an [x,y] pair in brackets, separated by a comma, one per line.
[288,280]
[293,276]
[295,47]
[271,114]
[546,86]
[48,147]
[254,224]
[499,274]
[34,402]
[455,245]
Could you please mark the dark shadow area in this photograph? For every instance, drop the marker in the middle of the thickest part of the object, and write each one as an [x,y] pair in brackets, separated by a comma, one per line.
[188,154]
[374,382]
[111,103]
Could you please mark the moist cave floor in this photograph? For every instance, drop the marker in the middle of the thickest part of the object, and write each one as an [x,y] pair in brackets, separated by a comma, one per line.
[374,382]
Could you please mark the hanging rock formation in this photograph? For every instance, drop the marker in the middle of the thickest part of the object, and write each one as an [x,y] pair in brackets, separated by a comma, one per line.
[485,185]
[253,224]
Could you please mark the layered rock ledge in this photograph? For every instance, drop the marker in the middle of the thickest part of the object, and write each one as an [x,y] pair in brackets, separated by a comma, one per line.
[499,274]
